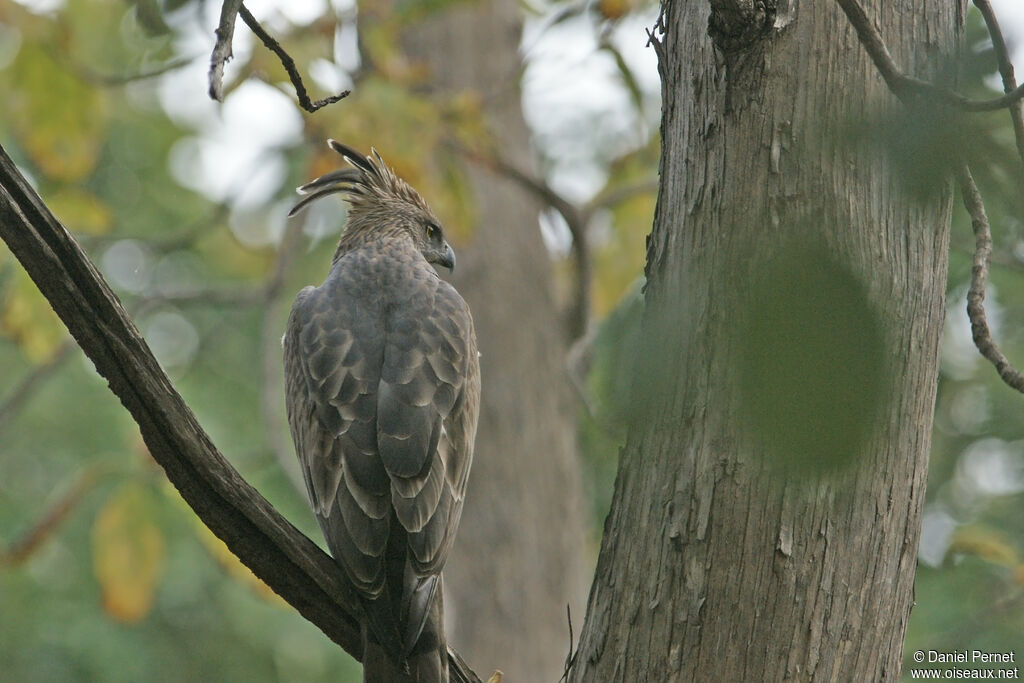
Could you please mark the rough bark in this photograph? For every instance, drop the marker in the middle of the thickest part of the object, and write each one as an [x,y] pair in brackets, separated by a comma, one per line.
[519,556]
[712,567]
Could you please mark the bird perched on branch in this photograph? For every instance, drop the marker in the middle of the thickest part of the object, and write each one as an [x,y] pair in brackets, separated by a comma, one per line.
[382,382]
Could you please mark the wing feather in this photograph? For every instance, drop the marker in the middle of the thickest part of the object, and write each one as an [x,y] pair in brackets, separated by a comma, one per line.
[383,390]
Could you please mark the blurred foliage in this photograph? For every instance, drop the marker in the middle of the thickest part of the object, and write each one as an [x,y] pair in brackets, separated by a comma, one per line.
[105,110]
[811,360]
[130,568]
[128,552]
[970,581]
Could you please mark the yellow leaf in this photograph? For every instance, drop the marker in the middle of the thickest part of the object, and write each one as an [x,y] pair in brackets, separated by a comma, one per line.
[984,543]
[232,565]
[59,119]
[27,318]
[128,553]
[614,9]
[80,211]
[1018,574]
[496,677]
[224,557]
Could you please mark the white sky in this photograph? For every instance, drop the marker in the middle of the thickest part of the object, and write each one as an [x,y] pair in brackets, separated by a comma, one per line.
[1011,19]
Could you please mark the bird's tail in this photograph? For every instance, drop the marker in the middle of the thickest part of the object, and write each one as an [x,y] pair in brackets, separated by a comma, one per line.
[425,662]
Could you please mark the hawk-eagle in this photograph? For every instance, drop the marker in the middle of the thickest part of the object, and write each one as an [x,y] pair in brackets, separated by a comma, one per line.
[382,383]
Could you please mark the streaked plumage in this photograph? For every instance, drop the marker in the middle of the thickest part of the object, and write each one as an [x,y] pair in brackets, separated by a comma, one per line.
[382,385]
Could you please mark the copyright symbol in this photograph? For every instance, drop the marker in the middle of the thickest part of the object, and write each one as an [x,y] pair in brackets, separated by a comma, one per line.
[918,656]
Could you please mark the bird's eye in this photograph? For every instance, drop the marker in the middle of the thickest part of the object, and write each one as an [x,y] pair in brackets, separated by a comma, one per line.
[433,232]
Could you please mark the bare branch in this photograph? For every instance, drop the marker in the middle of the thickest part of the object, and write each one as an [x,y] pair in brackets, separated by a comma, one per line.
[114,80]
[1005,71]
[617,195]
[30,382]
[575,219]
[25,545]
[570,658]
[903,86]
[289,65]
[222,48]
[979,275]
[292,565]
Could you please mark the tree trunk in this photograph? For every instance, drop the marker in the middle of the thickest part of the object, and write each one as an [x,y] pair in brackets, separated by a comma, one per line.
[714,567]
[519,556]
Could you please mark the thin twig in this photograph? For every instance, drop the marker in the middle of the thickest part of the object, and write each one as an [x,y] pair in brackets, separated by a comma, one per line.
[22,548]
[115,80]
[30,382]
[570,659]
[1005,71]
[289,65]
[617,195]
[575,219]
[979,275]
[906,87]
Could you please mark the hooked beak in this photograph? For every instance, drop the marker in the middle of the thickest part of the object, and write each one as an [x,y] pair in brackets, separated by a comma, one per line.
[447,258]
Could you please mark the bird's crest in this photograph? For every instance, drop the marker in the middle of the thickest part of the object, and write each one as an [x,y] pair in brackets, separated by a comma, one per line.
[368,183]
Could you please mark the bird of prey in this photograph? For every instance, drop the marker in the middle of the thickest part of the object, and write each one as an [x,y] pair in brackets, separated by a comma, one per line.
[382,383]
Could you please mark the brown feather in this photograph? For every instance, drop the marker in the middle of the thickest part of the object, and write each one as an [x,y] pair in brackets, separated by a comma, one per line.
[383,385]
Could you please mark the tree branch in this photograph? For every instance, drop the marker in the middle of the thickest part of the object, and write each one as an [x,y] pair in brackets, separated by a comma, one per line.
[1005,71]
[575,219]
[291,564]
[222,48]
[16,398]
[289,65]
[979,275]
[904,86]
[87,74]
[222,53]
[25,545]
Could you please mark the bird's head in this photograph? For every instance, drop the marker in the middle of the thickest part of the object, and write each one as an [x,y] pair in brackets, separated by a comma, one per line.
[378,200]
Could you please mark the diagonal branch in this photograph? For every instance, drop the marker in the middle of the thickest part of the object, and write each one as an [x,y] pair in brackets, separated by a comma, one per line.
[289,65]
[222,53]
[22,548]
[24,389]
[291,564]
[110,80]
[575,219]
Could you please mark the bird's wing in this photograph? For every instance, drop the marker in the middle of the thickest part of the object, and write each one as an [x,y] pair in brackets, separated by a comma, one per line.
[333,352]
[426,415]
[382,402]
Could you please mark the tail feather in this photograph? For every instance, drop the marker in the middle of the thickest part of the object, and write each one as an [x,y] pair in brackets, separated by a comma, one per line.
[425,662]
